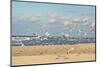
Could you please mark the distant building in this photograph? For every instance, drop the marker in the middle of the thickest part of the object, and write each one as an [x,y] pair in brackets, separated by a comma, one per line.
[22,37]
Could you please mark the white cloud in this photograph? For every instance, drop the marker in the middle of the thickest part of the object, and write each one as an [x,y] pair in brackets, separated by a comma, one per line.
[76,19]
[35,18]
[52,20]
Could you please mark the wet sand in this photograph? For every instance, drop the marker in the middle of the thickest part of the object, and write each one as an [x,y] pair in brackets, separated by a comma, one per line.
[52,54]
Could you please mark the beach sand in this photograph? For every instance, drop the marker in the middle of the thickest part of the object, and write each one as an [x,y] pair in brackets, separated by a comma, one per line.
[53,54]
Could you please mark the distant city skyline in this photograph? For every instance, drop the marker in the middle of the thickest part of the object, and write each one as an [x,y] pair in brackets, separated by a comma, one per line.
[52,19]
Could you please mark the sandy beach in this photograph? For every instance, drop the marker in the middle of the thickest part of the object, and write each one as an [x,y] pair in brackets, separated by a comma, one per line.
[52,53]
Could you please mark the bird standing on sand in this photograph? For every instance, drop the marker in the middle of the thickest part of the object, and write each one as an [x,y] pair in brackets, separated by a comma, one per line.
[22,44]
[69,50]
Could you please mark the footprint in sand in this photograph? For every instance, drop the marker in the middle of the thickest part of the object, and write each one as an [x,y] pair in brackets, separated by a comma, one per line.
[60,58]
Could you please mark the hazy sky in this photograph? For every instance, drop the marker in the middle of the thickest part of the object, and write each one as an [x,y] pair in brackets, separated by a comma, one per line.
[55,19]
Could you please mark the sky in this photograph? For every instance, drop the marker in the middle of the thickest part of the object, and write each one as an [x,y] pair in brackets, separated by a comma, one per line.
[53,19]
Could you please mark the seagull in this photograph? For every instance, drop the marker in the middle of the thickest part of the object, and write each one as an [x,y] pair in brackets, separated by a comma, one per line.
[47,34]
[22,44]
[85,33]
[80,31]
[71,49]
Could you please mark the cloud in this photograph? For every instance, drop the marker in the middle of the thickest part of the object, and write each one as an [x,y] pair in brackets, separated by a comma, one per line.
[52,20]
[35,18]
[59,23]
